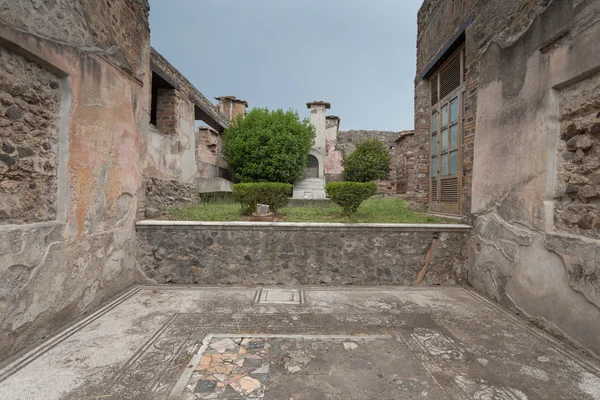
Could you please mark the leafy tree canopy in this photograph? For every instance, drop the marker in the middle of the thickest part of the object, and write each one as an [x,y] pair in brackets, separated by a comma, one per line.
[268,146]
[370,161]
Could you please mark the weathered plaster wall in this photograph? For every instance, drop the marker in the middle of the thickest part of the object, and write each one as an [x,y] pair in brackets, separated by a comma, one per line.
[29,117]
[54,271]
[535,247]
[493,20]
[178,161]
[307,254]
[171,155]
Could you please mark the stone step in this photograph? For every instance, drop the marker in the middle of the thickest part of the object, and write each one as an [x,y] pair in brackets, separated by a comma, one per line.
[311,188]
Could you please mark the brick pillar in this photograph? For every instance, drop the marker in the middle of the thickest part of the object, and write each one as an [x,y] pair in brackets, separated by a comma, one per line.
[225,106]
[238,108]
[166,111]
[230,107]
[420,173]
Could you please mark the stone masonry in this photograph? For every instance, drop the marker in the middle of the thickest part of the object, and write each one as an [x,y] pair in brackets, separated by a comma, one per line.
[577,205]
[296,254]
[404,160]
[71,96]
[29,117]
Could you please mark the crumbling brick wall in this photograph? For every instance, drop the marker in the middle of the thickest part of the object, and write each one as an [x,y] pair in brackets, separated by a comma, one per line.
[577,205]
[29,117]
[404,157]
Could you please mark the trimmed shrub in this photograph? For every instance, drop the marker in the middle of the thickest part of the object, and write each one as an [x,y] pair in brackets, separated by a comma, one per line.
[349,195]
[268,146]
[276,195]
[369,162]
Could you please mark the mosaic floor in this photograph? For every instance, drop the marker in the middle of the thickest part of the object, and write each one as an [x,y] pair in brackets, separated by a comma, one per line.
[157,343]
[232,369]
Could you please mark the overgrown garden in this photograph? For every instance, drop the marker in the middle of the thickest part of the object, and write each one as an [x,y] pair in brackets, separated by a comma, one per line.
[267,150]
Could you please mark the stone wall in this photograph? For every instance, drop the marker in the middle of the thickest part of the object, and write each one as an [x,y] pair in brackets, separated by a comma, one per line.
[535,244]
[29,117]
[80,71]
[117,29]
[159,196]
[347,139]
[299,254]
[577,205]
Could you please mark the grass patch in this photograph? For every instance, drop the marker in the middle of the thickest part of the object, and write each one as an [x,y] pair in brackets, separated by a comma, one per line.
[374,210]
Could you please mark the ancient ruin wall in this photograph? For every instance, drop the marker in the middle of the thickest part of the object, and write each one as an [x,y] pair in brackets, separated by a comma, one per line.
[577,205]
[160,195]
[116,28]
[347,139]
[484,22]
[59,264]
[404,159]
[29,117]
[299,254]
[534,246]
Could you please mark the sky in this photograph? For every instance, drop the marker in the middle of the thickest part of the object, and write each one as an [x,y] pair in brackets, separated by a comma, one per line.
[359,55]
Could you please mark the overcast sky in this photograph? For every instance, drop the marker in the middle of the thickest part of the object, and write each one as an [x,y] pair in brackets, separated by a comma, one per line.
[359,55]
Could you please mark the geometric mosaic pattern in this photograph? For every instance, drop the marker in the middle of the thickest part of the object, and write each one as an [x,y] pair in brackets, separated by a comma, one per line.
[280,297]
[347,344]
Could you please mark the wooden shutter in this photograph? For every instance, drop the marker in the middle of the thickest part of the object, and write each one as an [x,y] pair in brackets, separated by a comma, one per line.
[464,64]
[450,76]
[449,192]
[434,189]
[434,90]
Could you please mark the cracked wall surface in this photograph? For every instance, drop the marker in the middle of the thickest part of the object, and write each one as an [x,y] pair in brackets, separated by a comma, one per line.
[29,116]
[534,246]
[57,268]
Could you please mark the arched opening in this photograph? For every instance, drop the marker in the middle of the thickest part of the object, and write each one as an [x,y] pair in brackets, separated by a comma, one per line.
[312,167]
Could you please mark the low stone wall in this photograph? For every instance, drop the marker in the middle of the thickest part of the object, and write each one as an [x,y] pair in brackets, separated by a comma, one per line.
[255,253]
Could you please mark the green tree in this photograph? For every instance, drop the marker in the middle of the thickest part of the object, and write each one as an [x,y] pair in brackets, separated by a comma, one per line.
[370,161]
[268,146]
[349,195]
